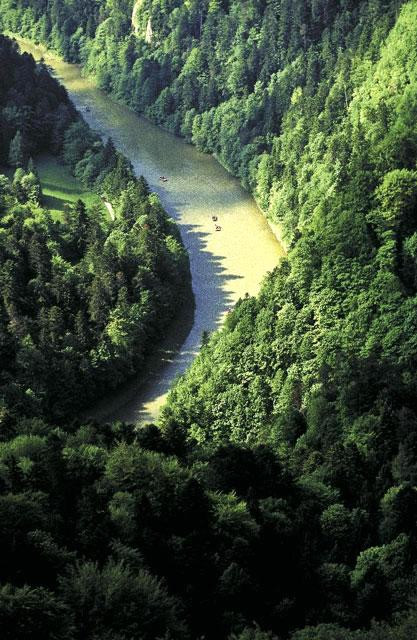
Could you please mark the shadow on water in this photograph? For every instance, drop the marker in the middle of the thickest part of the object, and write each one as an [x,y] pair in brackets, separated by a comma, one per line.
[128,403]
[138,401]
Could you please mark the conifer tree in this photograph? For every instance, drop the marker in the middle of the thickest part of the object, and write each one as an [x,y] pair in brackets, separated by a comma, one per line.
[17,151]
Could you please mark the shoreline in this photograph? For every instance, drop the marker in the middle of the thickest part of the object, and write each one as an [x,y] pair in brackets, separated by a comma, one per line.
[224,266]
[275,227]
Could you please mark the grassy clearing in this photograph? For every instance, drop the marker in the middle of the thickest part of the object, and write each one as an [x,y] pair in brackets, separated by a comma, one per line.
[60,188]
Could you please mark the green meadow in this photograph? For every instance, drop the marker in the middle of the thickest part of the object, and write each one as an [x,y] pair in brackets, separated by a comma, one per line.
[59,187]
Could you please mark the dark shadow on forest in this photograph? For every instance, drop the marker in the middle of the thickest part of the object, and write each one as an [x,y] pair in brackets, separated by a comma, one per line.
[54,187]
[52,202]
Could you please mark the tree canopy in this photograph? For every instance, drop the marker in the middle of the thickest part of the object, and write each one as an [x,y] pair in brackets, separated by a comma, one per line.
[278,497]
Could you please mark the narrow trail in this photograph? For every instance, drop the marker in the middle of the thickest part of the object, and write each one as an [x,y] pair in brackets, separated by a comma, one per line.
[225,264]
[110,209]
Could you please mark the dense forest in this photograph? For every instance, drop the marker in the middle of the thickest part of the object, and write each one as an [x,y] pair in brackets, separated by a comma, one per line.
[278,499]
[82,298]
[262,84]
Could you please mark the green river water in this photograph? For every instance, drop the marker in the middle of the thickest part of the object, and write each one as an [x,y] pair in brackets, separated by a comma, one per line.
[225,264]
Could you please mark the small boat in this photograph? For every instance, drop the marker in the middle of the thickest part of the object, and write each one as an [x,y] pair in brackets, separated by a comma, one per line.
[218,227]
[214,218]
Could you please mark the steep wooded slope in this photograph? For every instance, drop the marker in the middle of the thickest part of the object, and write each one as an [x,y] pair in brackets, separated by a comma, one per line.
[298,421]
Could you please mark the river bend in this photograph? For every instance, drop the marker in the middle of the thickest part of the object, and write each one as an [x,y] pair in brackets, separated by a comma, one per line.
[225,264]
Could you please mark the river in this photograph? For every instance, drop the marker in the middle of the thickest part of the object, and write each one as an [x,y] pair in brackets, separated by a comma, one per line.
[225,264]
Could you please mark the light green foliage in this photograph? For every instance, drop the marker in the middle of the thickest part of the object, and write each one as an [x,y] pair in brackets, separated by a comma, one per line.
[379,572]
[232,517]
[272,356]
[132,469]
[59,188]
[281,488]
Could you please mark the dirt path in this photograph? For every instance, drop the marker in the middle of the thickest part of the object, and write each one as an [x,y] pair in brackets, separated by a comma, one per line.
[110,209]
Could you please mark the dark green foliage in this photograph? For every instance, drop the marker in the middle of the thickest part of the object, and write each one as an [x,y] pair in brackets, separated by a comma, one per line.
[17,156]
[116,598]
[81,300]
[27,613]
[281,487]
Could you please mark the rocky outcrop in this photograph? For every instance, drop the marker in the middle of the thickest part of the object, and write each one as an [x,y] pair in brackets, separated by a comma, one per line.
[136,26]
[149,32]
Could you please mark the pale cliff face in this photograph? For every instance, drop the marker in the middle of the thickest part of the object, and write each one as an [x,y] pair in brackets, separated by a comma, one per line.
[149,32]
[136,22]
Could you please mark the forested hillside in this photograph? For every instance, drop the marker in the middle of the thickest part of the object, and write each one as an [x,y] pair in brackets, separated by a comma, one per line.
[82,299]
[263,85]
[281,489]
[322,365]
